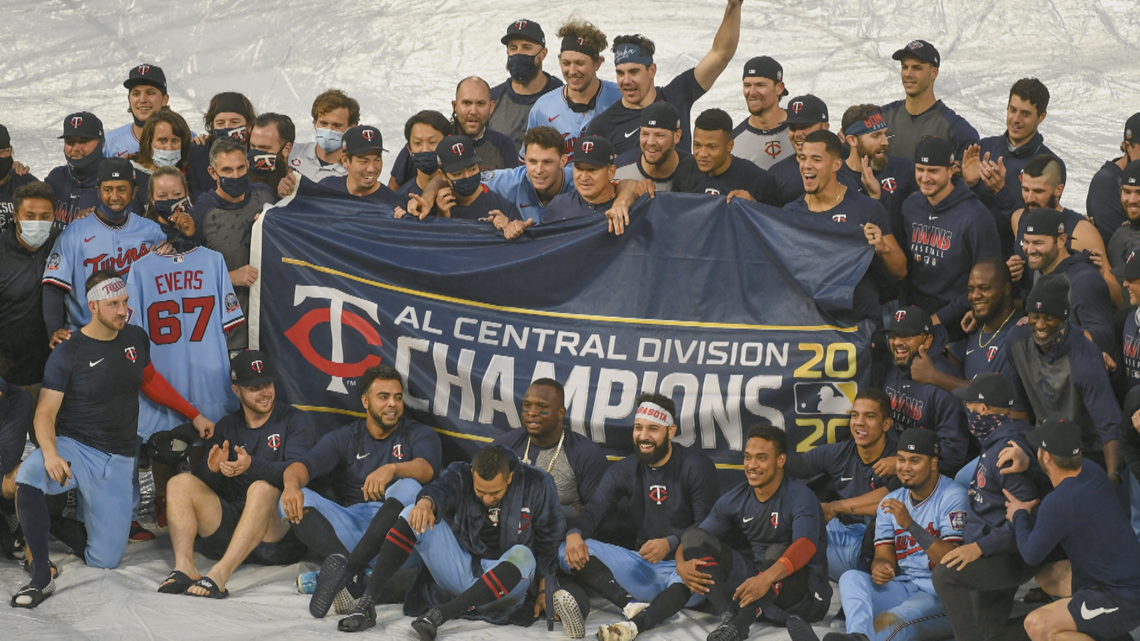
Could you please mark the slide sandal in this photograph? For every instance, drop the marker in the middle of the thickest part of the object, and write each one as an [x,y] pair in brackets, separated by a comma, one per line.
[208,584]
[175,583]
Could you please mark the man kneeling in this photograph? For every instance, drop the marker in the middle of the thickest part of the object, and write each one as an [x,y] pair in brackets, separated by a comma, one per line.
[251,449]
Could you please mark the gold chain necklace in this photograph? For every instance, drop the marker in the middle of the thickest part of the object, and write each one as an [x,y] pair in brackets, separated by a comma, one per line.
[526,453]
[980,330]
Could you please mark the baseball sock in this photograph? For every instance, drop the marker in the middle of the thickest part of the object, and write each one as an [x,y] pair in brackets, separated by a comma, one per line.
[596,575]
[398,545]
[315,531]
[32,507]
[745,618]
[495,584]
[664,605]
[720,596]
[373,539]
[572,584]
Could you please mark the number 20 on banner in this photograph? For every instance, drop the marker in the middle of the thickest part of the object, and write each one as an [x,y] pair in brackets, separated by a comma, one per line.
[828,356]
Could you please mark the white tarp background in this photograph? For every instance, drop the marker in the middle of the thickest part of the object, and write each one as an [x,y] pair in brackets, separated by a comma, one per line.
[396,58]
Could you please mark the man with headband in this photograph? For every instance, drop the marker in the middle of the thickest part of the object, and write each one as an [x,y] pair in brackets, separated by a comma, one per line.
[86,423]
[669,489]
[760,137]
[636,71]
[869,169]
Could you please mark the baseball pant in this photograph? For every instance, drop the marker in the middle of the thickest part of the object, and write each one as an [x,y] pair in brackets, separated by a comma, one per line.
[979,597]
[352,521]
[642,579]
[844,546]
[901,610]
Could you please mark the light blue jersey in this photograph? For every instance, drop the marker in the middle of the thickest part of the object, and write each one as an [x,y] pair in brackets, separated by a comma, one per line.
[942,514]
[514,185]
[120,142]
[88,245]
[551,110]
[186,304]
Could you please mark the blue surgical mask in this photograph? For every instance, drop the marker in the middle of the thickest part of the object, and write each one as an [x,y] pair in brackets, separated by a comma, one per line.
[521,67]
[166,157]
[234,187]
[237,133]
[426,161]
[114,216]
[328,139]
[466,186]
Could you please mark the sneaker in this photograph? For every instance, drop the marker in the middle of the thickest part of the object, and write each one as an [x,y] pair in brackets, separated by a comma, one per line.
[624,631]
[569,614]
[724,632]
[139,533]
[632,608]
[307,582]
[11,543]
[160,512]
[362,617]
[330,582]
[427,625]
[800,630]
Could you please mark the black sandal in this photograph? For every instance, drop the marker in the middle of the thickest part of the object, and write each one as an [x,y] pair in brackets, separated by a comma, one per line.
[175,583]
[30,596]
[208,584]
[26,565]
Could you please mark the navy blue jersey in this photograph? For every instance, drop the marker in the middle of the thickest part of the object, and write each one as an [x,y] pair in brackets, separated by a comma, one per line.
[741,174]
[408,188]
[486,202]
[100,382]
[840,462]
[789,182]
[382,196]
[16,412]
[572,205]
[350,454]
[1132,347]
[939,121]
[918,405]
[622,126]
[984,349]
[1008,199]
[985,521]
[23,334]
[1083,516]
[1071,220]
[1089,298]
[896,184]
[664,501]
[1103,200]
[282,440]
[791,513]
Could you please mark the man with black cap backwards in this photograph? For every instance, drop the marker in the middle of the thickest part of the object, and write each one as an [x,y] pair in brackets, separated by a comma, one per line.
[760,137]
[1084,517]
[362,147]
[1057,371]
[806,114]
[919,405]
[636,71]
[917,526]
[1103,200]
[229,502]
[656,157]
[526,51]
[949,230]
[146,94]
[1089,299]
[76,183]
[594,190]
[977,581]
[113,239]
[920,114]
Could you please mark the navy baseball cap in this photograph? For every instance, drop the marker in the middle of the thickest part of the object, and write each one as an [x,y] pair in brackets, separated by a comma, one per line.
[909,320]
[765,67]
[82,124]
[594,150]
[146,74]
[252,368]
[992,389]
[528,29]
[806,110]
[1057,436]
[1045,221]
[456,153]
[1130,270]
[362,139]
[116,169]
[920,49]
[934,152]
[1050,295]
[662,115]
[1132,127]
[1130,177]
[5,139]
[920,441]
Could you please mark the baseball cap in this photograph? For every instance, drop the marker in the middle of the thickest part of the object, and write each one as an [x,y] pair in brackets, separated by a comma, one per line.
[1130,176]
[252,368]
[82,124]
[920,441]
[361,139]
[1132,127]
[116,169]
[765,67]
[1130,270]
[992,389]
[1050,295]
[5,139]
[1057,436]
[662,115]
[594,150]
[528,29]
[909,320]
[1044,221]
[171,446]
[920,49]
[806,110]
[145,74]
[456,153]
[934,152]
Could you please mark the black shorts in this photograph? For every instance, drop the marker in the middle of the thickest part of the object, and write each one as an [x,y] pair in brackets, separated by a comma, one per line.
[1102,614]
[287,551]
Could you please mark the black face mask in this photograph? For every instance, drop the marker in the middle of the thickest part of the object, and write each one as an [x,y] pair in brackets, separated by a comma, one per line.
[522,67]
[234,187]
[467,186]
[262,162]
[426,161]
[168,207]
[114,217]
[88,165]
[5,166]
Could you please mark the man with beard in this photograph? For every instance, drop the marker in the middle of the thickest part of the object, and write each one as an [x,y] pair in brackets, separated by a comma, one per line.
[1042,184]
[713,170]
[977,581]
[1057,371]
[227,508]
[861,470]
[917,405]
[526,51]
[669,489]
[422,133]
[76,183]
[1090,301]
[1126,239]
[949,231]
[473,107]
[270,143]
[1103,199]
[146,94]
[869,169]
[375,466]
[656,157]
[361,154]
[806,115]
[760,137]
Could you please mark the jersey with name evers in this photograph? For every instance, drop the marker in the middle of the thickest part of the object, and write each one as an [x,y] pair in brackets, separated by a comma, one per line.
[765,147]
[741,174]
[849,475]
[186,304]
[942,514]
[91,244]
[351,453]
[100,382]
[552,110]
[622,126]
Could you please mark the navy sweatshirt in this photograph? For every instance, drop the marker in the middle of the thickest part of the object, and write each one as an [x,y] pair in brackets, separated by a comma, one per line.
[1089,299]
[850,476]
[985,521]
[1103,200]
[741,174]
[789,182]
[918,405]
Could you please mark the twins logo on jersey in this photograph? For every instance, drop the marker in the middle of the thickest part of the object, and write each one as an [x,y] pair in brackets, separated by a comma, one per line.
[775,519]
[131,354]
[120,262]
[712,191]
[773,148]
[657,493]
[274,441]
[903,406]
[524,519]
[991,353]
[929,243]
[839,218]
[905,545]
[889,185]
[493,516]
[398,451]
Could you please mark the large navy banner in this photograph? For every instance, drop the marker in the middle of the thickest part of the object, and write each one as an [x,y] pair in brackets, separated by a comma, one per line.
[733,310]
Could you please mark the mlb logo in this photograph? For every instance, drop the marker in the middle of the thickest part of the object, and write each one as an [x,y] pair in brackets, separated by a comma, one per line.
[828,397]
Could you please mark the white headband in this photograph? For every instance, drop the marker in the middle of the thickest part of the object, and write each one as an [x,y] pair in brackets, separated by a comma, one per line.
[109,288]
[654,413]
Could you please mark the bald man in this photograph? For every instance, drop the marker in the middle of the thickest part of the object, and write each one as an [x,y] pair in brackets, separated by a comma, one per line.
[473,108]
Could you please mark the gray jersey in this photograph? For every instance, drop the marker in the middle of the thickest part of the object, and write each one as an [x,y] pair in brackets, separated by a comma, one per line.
[633,171]
[304,160]
[762,146]
[564,478]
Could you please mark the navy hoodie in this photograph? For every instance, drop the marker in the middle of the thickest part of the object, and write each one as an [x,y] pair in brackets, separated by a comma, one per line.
[985,522]
[1089,299]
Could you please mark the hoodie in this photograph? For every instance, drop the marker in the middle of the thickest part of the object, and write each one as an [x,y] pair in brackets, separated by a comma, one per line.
[1089,299]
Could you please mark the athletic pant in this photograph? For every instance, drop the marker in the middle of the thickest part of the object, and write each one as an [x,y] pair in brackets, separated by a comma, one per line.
[642,579]
[901,610]
[352,521]
[979,597]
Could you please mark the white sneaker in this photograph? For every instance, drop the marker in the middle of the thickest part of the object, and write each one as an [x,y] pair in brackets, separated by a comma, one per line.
[632,608]
[624,631]
[571,616]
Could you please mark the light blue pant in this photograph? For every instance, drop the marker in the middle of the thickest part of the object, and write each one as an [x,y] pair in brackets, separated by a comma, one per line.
[906,610]
[104,484]
[351,522]
[843,545]
[642,579]
[450,564]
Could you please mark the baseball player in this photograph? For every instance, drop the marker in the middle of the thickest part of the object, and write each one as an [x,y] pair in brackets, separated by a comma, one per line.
[806,115]
[594,188]
[526,51]
[656,157]
[333,114]
[1103,199]
[146,94]
[1126,238]
[1042,183]
[465,197]
[16,411]
[760,136]
[361,149]
[76,182]
[714,170]
[422,133]
[869,167]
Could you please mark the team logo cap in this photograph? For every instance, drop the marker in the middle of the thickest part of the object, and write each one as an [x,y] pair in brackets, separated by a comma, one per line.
[909,320]
[146,74]
[528,29]
[252,368]
[806,110]
[82,124]
[920,49]
[1057,436]
[456,153]
[992,389]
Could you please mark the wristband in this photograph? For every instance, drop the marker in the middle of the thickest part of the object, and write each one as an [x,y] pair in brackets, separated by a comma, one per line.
[922,537]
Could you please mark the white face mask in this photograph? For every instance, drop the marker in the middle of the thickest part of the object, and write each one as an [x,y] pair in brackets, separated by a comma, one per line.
[35,232]
[166,157]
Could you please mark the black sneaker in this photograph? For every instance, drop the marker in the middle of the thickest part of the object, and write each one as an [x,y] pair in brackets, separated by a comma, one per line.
[800,630]
[362,619]
[427,624]
[724,632]
[330,581]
